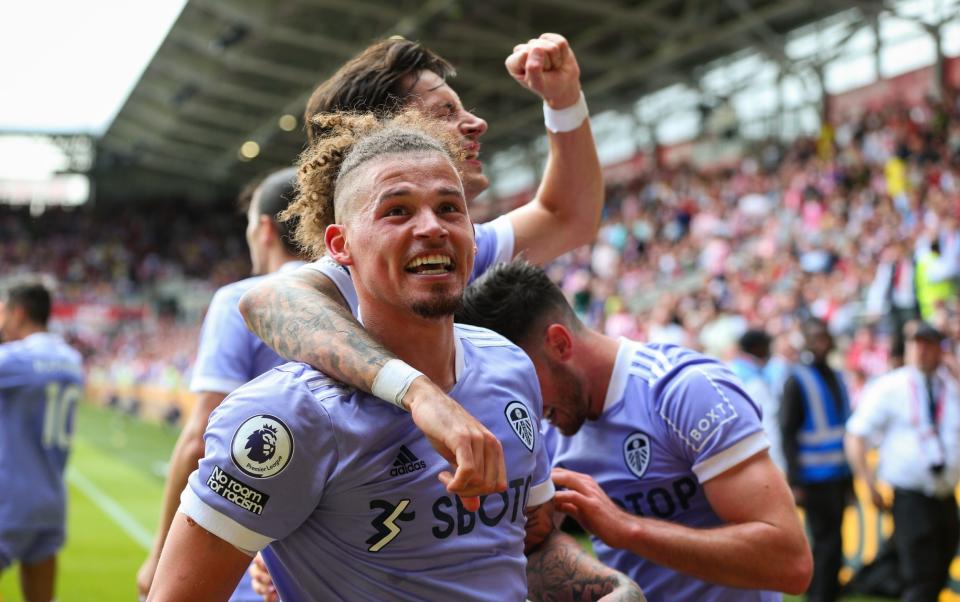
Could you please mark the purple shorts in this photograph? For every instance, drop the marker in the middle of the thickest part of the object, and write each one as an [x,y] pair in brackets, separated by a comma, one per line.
[29,546]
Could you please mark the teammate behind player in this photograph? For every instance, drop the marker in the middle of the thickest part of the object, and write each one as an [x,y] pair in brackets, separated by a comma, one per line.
[41,380]
[229,355]
[302,315]
[344,488]
[686,500]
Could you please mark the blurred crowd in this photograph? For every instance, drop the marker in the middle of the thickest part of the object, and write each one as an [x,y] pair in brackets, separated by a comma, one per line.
[130,293]
[857,226]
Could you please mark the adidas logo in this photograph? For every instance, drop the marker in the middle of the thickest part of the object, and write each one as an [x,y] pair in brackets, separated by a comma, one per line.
[406,462]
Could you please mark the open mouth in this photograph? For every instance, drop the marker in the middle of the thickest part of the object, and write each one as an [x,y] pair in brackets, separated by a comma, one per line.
[430,265]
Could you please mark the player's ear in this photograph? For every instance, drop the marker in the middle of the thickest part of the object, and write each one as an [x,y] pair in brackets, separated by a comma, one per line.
[559,342]
[335,239]
[268,229]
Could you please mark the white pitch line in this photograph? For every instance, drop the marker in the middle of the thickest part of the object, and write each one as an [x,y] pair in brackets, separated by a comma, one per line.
[112,509]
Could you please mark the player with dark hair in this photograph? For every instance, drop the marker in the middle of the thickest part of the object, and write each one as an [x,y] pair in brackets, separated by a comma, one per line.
[230,355]
[396,74]
[346,490]
[41,380]
[660,454]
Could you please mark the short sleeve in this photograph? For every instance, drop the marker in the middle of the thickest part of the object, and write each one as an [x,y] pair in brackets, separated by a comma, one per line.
[13,373]
[495,242]
[714,424]
[870,416]
[340,277]
[224,357]
[270,451]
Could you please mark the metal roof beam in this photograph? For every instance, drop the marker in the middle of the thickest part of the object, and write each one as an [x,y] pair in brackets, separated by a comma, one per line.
[208,80]
[258,19]
[236,61]
[268,129]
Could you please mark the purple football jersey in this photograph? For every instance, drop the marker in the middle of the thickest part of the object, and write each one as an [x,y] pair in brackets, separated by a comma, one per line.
[41,381]
[229,354]
[672,420]
[344,487]
[495,244]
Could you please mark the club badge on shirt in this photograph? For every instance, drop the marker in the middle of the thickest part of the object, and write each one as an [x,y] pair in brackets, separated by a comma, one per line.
[636,453]
[262,447]
[519,418]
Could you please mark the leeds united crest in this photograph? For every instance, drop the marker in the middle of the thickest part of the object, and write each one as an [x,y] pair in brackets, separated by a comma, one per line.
[519,418]
[636,453]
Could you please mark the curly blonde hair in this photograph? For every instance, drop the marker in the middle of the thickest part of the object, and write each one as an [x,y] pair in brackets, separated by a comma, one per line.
[344,141]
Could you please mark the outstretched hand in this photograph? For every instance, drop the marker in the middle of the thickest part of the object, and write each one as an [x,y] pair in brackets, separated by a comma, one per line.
[474,453]
[581,497]
[547,67]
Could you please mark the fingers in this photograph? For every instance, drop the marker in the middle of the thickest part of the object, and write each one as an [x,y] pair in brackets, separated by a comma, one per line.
[494,466]
[569,479]
[260,580]
[529,60]
[467,467]
[470,502]
[570,502]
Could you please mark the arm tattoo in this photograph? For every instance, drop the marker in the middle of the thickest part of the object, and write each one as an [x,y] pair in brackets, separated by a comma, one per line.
[560,569]
[302,317]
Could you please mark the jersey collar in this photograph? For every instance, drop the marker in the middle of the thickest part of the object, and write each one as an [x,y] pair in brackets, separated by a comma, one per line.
[291,265]
[621,369]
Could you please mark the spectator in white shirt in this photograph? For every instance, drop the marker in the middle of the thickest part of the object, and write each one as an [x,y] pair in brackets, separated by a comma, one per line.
[913,414]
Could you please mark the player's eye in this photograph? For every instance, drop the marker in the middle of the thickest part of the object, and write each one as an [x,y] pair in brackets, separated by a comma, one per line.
[396,211]
[446,111]
[448,208]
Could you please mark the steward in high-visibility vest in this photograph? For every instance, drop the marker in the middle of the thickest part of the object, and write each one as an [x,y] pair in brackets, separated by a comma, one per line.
[931,293]
[820,438]
[813,412]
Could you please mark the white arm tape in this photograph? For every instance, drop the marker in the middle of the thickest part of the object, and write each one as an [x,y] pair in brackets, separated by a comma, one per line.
[393,381]
[566,120]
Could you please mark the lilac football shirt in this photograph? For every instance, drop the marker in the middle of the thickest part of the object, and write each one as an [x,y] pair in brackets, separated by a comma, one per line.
[495,244]
[228,356]
[344,488]
[672,420]
[41,380]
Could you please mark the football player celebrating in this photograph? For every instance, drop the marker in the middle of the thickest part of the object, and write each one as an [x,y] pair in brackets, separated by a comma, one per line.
[346,490]
[660,454]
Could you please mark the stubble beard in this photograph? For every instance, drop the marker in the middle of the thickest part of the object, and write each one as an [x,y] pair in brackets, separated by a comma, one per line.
[439,305]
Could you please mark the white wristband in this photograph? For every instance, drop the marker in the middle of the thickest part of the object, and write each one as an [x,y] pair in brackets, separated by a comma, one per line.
[566,120]
[393,381]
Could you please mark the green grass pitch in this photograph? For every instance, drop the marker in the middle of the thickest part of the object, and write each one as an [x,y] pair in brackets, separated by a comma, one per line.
[115,480]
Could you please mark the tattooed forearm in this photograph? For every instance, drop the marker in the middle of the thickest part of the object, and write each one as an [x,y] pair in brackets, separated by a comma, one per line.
[561,570]
[303,317]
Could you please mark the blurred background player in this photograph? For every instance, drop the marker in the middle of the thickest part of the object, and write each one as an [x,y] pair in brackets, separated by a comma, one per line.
[750,366]
[813,411]
[229,354]
[672,476]
[298,461]
[563,215]
[41,380]
[913,415]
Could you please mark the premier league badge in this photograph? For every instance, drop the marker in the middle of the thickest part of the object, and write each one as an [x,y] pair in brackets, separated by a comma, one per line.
[519,418]
[636,453]
[262,446]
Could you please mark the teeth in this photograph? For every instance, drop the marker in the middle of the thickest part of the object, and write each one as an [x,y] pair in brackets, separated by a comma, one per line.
[431,259]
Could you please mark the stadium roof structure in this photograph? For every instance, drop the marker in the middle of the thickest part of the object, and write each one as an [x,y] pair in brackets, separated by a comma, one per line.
[230,70]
